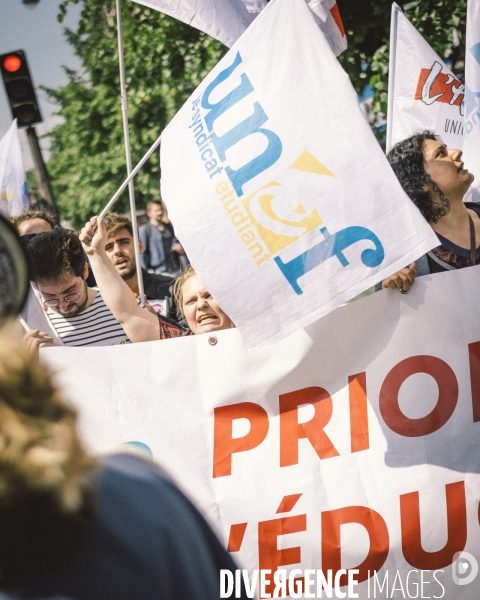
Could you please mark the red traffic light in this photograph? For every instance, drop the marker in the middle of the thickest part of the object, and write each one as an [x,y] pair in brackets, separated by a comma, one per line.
[19,87]
[12,63]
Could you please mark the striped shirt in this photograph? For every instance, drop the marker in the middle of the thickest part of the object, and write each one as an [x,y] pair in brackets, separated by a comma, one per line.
[95,326]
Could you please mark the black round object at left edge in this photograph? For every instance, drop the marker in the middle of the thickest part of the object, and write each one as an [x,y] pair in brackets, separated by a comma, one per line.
[14,277]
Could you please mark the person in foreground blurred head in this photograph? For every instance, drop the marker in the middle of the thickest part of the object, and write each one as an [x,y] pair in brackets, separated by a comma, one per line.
[435,179]
[196,304]
[75,526]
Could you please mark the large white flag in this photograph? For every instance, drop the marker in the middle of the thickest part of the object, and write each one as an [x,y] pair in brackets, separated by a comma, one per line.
[277,186]
[13,183]
[471,143]
[226,20]
[422,91]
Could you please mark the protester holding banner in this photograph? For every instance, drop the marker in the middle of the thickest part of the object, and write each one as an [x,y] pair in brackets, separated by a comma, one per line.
[76,311]
[436,181]
[74,526]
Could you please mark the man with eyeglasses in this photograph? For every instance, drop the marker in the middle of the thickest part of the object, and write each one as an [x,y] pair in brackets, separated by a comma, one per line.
[77,312]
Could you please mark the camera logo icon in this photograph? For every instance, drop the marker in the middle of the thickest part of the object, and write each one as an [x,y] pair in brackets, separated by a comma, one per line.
[464,568]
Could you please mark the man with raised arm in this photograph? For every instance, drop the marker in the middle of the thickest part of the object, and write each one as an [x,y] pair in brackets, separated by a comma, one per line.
[139,324]
[120,250]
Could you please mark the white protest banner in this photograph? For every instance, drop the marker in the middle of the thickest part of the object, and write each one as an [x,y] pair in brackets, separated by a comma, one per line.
[226,20]
[13,183]
[423,92]
[278,189]
[471,143]
[350,445]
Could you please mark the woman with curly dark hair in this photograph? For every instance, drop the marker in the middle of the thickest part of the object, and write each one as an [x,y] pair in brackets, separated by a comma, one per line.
[435,179]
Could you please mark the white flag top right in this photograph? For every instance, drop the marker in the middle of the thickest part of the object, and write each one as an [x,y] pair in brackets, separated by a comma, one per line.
[471,143]
[278,189]
[423,92]
[13,183]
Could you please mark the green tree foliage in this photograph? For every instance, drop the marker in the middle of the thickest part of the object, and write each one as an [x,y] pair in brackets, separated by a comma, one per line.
[367,23]
[165,60]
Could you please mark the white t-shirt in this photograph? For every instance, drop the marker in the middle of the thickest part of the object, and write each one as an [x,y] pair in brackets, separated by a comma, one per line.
[95,326]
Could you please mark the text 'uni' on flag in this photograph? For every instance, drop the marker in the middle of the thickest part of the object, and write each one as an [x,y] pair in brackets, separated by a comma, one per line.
[279,191]
[226,20]
[423,93]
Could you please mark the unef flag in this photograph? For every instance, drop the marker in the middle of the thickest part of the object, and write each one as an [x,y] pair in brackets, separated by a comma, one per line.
[471,143]
[422,91]
[226,20]
[278,189]
[13,184]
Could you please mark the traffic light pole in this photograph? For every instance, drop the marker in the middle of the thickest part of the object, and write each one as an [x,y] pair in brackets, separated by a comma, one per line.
[41,173]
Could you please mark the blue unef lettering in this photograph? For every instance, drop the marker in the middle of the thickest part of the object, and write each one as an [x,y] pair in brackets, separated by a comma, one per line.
[332,245]
[250,125]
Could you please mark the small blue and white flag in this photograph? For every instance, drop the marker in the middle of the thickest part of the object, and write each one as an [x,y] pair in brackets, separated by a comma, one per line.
[13,183]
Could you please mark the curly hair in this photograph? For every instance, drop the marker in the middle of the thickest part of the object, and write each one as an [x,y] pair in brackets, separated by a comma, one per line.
[46,493]
[35,213]
[115,223]
[407,160]
[55,253]
[178,287]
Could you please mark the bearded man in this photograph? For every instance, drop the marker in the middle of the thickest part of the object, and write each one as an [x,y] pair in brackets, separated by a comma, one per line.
[121,252]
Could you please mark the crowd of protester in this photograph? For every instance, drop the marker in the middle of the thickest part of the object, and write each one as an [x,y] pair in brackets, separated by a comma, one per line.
[75,526]
[88,284]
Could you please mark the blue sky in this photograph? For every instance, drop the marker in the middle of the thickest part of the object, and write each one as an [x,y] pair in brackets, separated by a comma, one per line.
[37,32]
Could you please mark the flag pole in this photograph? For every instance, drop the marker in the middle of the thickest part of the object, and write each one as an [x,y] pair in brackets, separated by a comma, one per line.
[391,72]
[126,135]
[116,195]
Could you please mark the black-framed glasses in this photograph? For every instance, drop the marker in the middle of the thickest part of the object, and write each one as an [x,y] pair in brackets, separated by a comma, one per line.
[68,298]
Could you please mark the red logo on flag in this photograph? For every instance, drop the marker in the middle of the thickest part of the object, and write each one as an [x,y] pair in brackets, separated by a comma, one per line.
[436,86]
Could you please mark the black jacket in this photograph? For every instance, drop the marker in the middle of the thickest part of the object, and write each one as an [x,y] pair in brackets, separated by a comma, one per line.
[161,287]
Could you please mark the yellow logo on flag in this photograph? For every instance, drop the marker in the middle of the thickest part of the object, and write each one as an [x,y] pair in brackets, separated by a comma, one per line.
[7,195]
[276,231]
